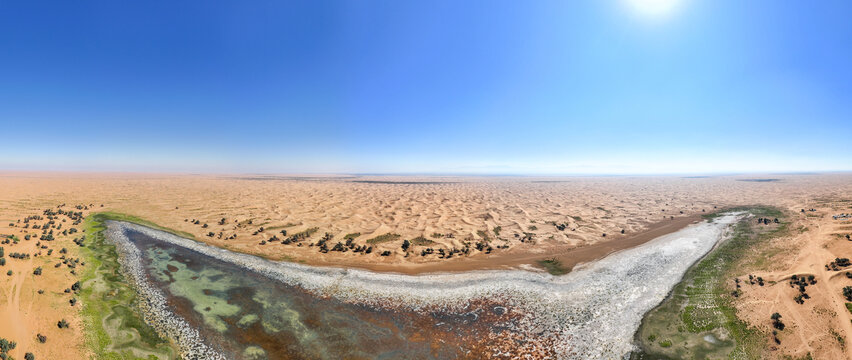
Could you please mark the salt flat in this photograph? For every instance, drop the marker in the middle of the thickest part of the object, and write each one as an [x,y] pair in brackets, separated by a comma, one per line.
[591,312]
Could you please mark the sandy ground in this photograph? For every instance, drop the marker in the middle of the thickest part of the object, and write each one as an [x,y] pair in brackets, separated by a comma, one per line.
[468,208]
[821,326]
[26,313]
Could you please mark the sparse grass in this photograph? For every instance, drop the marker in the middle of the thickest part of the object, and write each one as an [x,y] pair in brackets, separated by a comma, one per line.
[483,235]
[109,299]
[421,241]
[351,236]
[532,228]
[384,238]
[701,303]
[278,227]
[497,230]
[553,266]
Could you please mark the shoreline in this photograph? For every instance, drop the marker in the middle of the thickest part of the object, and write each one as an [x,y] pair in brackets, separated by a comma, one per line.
[569,256]
[709,273]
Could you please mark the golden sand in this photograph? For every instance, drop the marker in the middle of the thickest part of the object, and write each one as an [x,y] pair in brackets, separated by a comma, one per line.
[470,209]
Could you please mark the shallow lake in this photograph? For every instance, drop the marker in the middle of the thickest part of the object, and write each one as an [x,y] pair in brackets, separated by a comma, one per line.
[219,304]
[250,316]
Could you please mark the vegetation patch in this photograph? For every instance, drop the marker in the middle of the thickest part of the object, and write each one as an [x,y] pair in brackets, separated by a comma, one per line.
[421,241]
[278,227]
[699,318]
[384,238]
[553,266]
[114,330]
[483,235]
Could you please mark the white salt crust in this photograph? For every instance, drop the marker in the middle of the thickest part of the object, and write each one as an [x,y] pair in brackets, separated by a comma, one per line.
[589,313]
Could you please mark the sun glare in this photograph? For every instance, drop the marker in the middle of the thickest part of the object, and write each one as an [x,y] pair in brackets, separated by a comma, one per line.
[653,7]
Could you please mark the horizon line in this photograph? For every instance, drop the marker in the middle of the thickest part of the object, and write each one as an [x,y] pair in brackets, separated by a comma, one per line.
[436,174]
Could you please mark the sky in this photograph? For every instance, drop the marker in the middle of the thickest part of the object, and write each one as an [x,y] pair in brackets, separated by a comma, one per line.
[450,87]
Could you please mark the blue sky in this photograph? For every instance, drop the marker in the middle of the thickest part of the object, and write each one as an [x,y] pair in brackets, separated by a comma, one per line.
[481,87]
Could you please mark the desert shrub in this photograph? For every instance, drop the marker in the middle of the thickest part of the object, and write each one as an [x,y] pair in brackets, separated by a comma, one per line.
[6,345]
[776,321]
[847,293]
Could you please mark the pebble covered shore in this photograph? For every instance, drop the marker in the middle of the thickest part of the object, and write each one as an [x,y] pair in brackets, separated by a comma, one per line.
[590,313]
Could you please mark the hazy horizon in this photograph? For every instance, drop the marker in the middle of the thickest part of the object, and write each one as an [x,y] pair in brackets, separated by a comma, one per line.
[622,87]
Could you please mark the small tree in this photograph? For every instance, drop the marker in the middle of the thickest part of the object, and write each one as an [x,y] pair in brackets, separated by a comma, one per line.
[405,245]
[776,321]
[6,345]
[847,293]
[37,271]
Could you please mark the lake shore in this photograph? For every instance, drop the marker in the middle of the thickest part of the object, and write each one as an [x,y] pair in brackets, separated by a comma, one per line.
[568,255]
[556,311]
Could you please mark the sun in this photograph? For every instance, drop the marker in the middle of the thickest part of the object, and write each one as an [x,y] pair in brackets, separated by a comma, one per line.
[653,7]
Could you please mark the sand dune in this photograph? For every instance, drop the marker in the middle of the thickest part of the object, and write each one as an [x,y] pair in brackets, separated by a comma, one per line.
[462,210]
[466,208]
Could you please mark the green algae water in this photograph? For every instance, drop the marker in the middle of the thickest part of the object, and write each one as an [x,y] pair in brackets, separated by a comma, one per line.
[245,315]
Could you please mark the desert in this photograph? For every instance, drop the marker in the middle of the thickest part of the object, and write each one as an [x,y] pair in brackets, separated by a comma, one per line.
[425,180]
[534,208]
